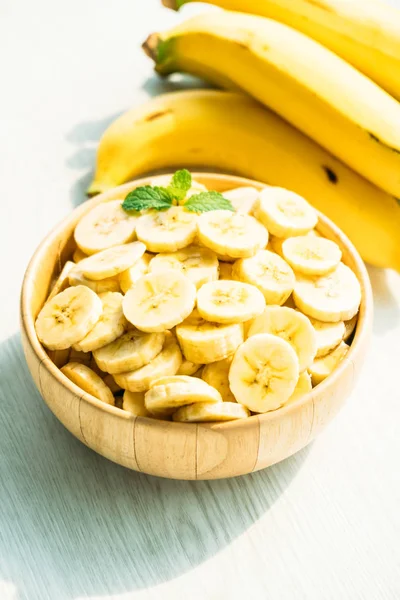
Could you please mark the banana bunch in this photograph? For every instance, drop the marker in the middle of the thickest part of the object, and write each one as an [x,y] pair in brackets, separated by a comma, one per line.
[302,81]
[204,321]
[365,33]
[230,131]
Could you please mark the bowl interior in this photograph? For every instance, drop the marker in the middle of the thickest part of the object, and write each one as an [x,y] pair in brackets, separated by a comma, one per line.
[59,246]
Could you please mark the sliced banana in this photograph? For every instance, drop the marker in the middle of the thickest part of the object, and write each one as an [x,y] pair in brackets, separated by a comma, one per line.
[78,255]
[188,368]
[168,230]
[311,255]
[333,297]
[243,199]
[229,301]
[225,270]
[169,393]
[132,350]
[303,387]
[129,277]
[159,301]
[232,234]
[88,381]
[112,261]
[111,284]
[199,264]
[68,317]
[204,342]
[109,327]
[203,412]
[329,335]
[133,402]
[167,362]
[105,226]
[62,281]
[322,367]
[284,213]
[264,372]
[349,327]
[269,273]
[217,375]
[293,327]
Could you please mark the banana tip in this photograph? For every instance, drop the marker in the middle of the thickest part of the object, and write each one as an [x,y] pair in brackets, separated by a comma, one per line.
[150,46]
[171,4]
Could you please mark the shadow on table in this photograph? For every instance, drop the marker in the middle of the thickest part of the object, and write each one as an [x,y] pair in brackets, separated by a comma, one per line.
[73,523]
[86,135]
[386,306]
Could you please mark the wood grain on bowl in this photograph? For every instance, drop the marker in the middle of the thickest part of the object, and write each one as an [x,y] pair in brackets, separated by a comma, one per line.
[184,450]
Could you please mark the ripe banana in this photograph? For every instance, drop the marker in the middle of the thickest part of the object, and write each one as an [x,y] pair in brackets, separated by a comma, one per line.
[167,231]
[88,381]
[311,255]
[169,393]
[229,301]
[132,350]
[209,412]
[234,133]
[199,264]
[308,85]
[285,213]
[323,366]
[365,33]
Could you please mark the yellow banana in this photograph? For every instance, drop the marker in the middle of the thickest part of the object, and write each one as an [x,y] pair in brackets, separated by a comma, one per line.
[233,133]
[306,84]
[365,33]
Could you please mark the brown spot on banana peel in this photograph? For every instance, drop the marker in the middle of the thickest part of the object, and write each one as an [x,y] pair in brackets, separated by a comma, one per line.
[157,115]
[376,139]
[333,178]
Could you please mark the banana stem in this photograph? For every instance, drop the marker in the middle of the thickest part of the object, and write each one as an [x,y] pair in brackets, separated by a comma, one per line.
[150,46]
[170,4]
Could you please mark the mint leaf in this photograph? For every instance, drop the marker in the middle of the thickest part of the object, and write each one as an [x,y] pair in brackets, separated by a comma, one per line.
[147,196]
[180,184]
[206,201]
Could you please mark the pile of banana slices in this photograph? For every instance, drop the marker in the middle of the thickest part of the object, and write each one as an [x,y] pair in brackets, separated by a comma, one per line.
[201,317]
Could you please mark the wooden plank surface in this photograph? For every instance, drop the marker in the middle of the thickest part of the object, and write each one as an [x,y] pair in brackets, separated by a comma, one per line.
[323,525]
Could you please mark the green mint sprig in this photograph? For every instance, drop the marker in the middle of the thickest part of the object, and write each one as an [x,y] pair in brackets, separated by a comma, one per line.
[161,198]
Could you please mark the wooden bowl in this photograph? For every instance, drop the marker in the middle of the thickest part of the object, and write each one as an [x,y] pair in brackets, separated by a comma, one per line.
[182,450]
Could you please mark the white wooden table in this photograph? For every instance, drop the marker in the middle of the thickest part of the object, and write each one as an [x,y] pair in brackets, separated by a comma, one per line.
[323,525]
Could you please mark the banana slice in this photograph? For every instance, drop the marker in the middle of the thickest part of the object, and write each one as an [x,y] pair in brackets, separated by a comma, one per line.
[206,412]
[159,301]
[169,393]
[322,367]
[132,350]
[109,327]
[269,273]
[243,199]
[311,255]
[333,297]
[129,277]
[112,261]
[68,317]
[329,335]
[264,372]
[88,381]
[216,374]
[78,255]
[304,386]
[225,270]
[349,327]
[165,363]
[188,368]
[284,213]
[133,402]
[229,301]
[168,230]
[105,226]
[293,327]
[111,284]
[199,264]
[232,234]
[204,342]
[62,281]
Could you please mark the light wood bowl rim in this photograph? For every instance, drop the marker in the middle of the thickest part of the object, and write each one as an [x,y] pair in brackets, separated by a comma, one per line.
[360,337]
